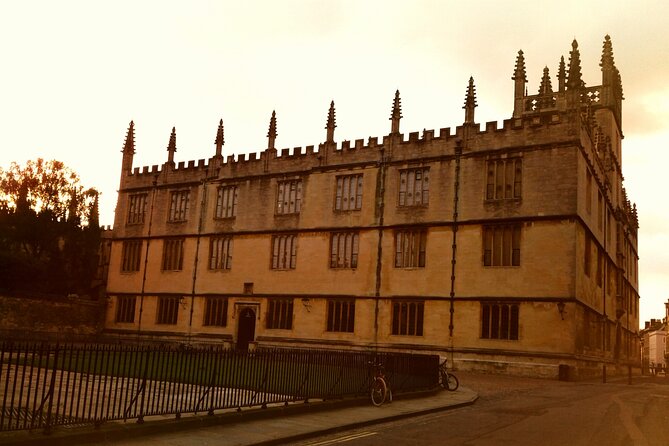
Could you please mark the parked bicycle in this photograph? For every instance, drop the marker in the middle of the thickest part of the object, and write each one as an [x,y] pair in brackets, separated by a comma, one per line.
[379,389]
[447,380]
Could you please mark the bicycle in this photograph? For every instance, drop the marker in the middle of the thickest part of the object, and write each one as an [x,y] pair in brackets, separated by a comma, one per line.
[447,380]
[379,389]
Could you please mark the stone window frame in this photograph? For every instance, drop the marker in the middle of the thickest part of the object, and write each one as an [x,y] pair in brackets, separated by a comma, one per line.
[173,254]
[599,272]
[284,252]
[413,182]
[408,317]
[289,195]
[279,314]
[220,253]
[500,321]
[504,178]
[136,211]
[179,206]
[344,248]
[340,316]
[348,189]
[410,248]
[167,310]
[125,309]
[502,245]
[131,256]
[215,311]
[227,199]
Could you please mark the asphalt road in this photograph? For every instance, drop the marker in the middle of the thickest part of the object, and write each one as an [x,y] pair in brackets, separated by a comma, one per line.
[516,412]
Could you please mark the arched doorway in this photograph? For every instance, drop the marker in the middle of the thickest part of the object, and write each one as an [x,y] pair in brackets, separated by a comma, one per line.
[246,328]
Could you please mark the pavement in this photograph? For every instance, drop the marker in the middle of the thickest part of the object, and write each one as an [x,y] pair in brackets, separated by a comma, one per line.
[271,426]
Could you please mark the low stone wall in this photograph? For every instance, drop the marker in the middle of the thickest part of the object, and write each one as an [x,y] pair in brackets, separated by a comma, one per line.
[569,370]
[51,319]
[512,368]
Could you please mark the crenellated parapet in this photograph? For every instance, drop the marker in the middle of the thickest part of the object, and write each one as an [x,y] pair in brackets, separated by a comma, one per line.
[428,143]
[551,109]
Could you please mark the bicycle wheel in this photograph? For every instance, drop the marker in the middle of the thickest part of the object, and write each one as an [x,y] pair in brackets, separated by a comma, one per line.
[452,382]
[379,391]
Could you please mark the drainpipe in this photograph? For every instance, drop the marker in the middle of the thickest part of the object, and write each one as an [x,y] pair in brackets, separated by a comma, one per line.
[380,197]
[203,209]
[456,188]
[604,280]
[146,255]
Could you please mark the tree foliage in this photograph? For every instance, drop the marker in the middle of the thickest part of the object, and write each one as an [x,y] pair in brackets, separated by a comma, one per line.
[45,186]
[49,230]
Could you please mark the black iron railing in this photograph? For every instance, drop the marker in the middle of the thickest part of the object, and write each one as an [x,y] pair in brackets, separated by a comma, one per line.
[43,385]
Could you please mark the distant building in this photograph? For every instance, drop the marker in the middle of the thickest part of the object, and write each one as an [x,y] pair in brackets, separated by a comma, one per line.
[654,350]
[511,249]
[656,347]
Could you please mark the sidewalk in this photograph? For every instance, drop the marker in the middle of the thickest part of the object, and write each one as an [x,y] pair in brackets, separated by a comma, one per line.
[275,425]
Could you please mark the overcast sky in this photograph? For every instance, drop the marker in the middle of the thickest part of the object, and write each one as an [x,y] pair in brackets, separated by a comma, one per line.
[73,74]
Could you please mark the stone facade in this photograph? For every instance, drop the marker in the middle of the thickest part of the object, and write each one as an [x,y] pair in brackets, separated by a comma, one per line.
[509,248]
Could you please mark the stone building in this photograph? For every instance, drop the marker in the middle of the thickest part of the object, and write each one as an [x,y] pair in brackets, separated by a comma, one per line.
[657,340]
[510,248]
[654,349]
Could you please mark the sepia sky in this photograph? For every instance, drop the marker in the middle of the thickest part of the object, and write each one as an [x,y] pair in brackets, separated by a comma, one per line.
[74,73]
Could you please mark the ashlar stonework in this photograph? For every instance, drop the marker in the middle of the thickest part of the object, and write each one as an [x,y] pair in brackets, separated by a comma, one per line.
[509,249]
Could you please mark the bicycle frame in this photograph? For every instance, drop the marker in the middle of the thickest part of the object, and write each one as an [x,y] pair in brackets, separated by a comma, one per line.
[379,389]
[447,380]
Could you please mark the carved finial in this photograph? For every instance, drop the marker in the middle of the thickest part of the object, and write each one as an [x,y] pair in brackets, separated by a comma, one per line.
[610,74]
[519,90]
[574,80]
[607,54]
[220,139]
[331,124]
[547,99]
[396,113]
[470,102]
[546,87]
[271,133]
[561,75]
[172,146]
[519,73]
[129,146]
